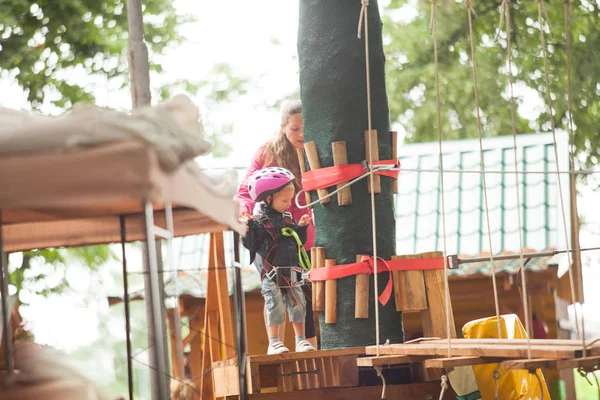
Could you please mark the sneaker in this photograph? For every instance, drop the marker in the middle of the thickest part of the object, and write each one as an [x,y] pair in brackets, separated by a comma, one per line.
[277,348]
[304,345]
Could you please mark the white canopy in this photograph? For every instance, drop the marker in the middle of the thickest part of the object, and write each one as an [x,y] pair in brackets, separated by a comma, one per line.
[65,181]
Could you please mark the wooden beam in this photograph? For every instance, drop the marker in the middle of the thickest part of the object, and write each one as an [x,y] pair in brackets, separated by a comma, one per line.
[314,162]
[302,163]
[460,361]
[388,360]
[340,157]
[409,288]
[587,362]
[479,350]
[398,392]
[330,296]
[528,364]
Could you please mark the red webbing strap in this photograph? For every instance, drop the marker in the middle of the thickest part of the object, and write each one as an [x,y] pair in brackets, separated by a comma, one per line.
[366,267]
[331,176]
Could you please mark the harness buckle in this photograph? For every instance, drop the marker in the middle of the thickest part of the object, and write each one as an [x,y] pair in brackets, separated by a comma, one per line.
[287,279]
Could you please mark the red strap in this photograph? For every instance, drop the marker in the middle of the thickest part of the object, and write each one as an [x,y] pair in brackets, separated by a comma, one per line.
[366,267]
[330,176]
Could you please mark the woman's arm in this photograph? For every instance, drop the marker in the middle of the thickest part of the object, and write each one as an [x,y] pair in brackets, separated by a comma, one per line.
[242,195]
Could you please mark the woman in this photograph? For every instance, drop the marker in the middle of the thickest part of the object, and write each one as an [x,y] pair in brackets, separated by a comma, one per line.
[281,152]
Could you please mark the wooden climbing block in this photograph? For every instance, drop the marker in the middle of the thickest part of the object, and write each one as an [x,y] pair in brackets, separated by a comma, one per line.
[302,163]
[372,154]
[361,294]
[313,161]
[409,288]
[340,157]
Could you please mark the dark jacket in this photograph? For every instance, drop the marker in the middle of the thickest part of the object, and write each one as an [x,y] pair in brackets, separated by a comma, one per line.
[264,238]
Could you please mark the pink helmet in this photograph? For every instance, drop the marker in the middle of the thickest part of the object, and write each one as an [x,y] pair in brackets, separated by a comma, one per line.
[268,181]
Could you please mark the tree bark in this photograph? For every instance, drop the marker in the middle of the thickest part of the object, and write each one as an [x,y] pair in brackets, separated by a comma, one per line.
[334,97]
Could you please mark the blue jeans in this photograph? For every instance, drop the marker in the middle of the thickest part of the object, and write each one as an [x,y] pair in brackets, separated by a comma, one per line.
[277,302]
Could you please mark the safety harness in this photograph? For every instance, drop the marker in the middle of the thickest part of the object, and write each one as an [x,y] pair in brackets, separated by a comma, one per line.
[284,276]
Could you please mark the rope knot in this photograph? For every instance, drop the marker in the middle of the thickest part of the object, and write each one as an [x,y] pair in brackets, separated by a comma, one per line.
[365,3]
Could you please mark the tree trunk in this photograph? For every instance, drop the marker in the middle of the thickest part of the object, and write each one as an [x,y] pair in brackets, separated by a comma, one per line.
[334,97]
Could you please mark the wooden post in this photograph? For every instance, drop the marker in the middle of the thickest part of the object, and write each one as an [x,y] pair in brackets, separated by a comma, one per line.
[330,296]
[225,320]
[302,163]
[433,318]
[319,285]
[196,341]
[340,157]
[374,156]
[409,288]
[361,298]
[394,157]
[313,161]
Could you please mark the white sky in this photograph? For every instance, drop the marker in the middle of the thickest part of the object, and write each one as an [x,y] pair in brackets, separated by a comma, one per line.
[243,39]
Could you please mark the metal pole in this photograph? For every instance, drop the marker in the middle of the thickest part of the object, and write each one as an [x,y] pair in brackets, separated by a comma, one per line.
[6,333]
[176,314]
[159,371]
[126,302]
[240,313]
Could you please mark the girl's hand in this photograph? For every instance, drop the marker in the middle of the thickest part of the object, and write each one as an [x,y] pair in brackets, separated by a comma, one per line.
[305,220]
[245,216]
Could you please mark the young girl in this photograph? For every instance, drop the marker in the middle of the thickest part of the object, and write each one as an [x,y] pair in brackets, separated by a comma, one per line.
[281,152]
[276,237]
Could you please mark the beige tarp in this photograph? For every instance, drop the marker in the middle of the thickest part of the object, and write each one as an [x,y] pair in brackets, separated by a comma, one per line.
[67,198]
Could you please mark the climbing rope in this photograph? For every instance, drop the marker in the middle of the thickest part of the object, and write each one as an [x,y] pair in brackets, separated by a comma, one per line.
[433,28]
[380,374]
[542,10]
[505,11]
[444,385]
[364,17]
[496,375]
[469,8]
[568,18]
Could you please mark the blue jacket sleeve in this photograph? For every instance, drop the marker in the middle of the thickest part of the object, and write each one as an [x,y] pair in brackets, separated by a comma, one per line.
[255,236]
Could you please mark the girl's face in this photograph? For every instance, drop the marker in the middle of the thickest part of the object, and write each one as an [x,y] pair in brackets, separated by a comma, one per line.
[282,200]
[293,130]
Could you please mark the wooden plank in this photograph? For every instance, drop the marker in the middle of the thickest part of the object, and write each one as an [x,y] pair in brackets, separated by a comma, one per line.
[277,358]
[429,390]
[434,318]
[460,361]
[388,360]
[361,294]
[315,164]
[587,362]
[226,381]
[529,364]
[346,371]
[340,157]
[519,342]
[228,346]
[479,350]
[330,296]
[409,288]
[372,154]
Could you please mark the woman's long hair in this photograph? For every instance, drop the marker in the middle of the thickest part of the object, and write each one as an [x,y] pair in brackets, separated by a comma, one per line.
[279,151]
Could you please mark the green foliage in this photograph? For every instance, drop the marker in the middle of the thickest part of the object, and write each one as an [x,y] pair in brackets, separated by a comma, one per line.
[411,74]
[221,85]
[41,39]
[54,262]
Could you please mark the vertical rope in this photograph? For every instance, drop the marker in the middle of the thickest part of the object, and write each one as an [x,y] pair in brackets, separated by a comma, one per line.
[364,16]
[567,16]
[469,8]
[433,29]
[541,8]
[506,9]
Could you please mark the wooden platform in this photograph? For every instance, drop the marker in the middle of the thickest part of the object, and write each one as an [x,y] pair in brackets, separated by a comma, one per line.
[290,372]
[512,353]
